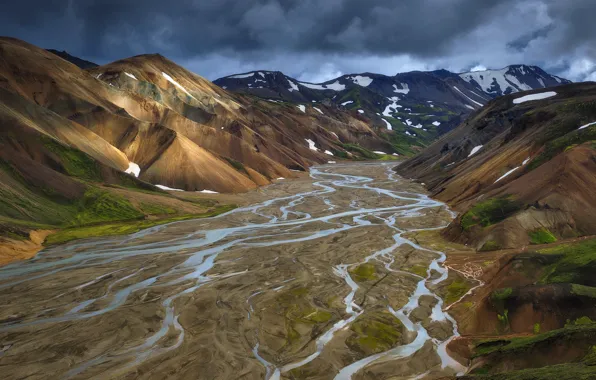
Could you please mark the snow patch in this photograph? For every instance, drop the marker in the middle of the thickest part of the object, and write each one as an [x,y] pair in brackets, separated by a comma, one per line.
[321,112]
[436,123]
[335,86]
[379,152]
[389,126]
[360,111]
[348,102]
[293,86]
[470,107]
[329,152]
[240,76]
[171,80]
[361,81]
[301,108]
[403,90]
[487,78]
[587,125]
[168,188]
[133,169]
[331,162]
[391,107]
[130,75]
[475,150]
[467,97]
[539,96]
[208,192]
[311,145]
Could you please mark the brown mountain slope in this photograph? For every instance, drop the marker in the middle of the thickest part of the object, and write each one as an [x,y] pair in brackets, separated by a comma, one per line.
[531,181]
[146,106]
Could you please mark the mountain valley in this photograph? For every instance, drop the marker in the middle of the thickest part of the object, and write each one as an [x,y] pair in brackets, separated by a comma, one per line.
[426,225]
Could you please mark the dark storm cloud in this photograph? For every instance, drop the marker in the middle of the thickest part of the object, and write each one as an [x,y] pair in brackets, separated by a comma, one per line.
[204,26]
[341,35]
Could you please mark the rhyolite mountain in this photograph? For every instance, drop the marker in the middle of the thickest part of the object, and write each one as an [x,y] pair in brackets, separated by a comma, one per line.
[68,135]
[416,106]
[521,170]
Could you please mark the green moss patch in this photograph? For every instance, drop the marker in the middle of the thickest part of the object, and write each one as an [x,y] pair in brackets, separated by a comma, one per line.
[570,333]
[577,264]
[364,272]
[541,236]
[490,245]
[75,163]
[123,228]
[456,290]
[489,212]
[374,332]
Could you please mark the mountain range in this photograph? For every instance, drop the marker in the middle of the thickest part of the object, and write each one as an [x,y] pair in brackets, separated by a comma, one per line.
[408,109]
[82,147]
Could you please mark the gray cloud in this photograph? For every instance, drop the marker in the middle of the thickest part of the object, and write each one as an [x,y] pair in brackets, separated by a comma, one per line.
[317,39]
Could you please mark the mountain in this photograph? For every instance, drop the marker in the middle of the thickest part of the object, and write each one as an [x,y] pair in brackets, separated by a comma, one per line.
[409,109]
[520,171]
[69,135]
[83,64]
[521,174]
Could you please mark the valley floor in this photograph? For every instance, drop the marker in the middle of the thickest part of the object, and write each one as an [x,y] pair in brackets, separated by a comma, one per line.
[319,280]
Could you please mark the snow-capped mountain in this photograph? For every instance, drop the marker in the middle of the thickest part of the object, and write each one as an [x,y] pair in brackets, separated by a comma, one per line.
[416,106]
[512,79]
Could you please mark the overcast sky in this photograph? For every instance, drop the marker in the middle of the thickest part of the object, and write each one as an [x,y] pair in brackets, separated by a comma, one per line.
[317,40]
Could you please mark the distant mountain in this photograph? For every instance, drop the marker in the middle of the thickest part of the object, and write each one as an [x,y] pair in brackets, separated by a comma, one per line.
[72,59]
[413,108]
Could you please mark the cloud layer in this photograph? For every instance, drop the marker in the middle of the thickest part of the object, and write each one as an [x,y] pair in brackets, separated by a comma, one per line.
[316,40]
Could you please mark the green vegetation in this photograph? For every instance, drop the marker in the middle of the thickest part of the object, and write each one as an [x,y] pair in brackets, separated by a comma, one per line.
[364,272]
[583,291]
[576,265]
[585,332]
[237,165]
[489,212]
[490,245]
[420,270]
[75,163]
[123,228]
[374,332]
[541,236]
[559,145]
[536,328]
[99,206]
[456,290]
[579,321]
[569,371]
[360,151]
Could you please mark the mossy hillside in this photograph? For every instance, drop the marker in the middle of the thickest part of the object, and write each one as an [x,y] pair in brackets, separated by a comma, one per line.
[363,152]
[124,228]
[568,371]
[580,332]
[541,236]
[74,162]
[559,145]
[576,263]
[489,212]
[374,332]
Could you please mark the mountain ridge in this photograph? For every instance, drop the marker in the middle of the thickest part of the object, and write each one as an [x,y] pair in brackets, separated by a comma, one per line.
[418,106]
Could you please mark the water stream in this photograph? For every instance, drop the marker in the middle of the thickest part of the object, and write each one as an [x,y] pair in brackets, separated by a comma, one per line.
[274,222]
